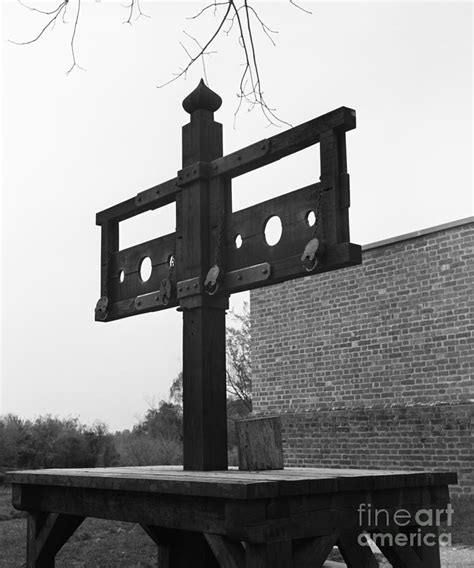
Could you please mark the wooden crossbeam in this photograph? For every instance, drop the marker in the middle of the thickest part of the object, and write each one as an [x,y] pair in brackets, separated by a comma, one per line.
[246,159]
[272,149]
[147,200]
[132,296]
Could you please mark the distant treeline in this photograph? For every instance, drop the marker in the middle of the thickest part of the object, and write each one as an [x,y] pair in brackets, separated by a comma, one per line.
[157,439]
[51,442]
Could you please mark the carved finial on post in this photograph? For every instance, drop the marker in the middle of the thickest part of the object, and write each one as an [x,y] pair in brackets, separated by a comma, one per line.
[202,135]
[202,99]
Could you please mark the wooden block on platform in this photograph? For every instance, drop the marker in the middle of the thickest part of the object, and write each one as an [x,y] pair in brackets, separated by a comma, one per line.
[260,443]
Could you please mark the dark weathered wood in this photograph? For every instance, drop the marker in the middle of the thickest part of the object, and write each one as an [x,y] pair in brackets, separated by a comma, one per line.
[204,367]
[285,517]
[277,554]
[204,389]
[424,543]
[259,443]
[235,484]
[47,534]
[158,250]
[181,549]
[109,244]
[312,552]
[401,557]
[355,555]
[428,552]
[152,198]
[165,511]
[334,175]
[229,553]
[293,140]
[249,223]
[35,522]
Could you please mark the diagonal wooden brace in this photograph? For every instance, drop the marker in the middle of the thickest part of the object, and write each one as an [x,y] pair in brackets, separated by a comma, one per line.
[355,554]
[47,533]
[312,552]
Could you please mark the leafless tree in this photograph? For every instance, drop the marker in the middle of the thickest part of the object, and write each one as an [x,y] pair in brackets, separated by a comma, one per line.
[239,16]
[239,370]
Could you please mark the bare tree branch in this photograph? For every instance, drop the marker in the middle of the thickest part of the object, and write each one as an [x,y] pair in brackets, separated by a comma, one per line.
[204,53]
[213,5]
[201,52]
[134,4]
[242,12]
[55,14]
[300,7]
[60,10]
[73,37]
[265,28]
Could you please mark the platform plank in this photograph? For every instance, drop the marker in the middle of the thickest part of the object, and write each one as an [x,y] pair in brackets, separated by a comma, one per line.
[231,483]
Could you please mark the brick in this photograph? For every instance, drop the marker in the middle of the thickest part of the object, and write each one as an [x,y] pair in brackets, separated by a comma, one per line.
[373,364]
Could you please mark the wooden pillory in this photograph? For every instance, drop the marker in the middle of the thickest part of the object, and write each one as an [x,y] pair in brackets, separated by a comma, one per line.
[201,264]
[203,515]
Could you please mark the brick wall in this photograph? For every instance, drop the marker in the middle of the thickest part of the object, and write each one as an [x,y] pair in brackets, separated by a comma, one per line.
[372,365]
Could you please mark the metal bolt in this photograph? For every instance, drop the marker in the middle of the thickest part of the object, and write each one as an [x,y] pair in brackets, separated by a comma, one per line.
[180,289]
[139,303]
[195,285]
[187,287]
[263,146]
[239,157]
[157,192]
[264,270]
[239,277]
[194,171]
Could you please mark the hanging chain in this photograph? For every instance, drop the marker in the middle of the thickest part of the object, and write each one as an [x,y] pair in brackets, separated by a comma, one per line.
[171,265]
[220,240]
[309,257]
[166,285]
[317,212]
[215,273]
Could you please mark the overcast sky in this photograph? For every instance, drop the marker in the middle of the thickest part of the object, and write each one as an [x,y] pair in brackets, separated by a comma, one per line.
[73,145]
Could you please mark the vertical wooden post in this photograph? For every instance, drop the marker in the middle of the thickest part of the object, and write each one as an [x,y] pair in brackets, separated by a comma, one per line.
[109,244]
[332,146]
[277,554]
[204,370]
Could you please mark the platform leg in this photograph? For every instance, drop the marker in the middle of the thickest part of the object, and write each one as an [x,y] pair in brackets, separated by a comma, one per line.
[269,555]
[229,553]
[181,549]
[399,552]
[46,535]
[356,555]
[426,545]
[312,552]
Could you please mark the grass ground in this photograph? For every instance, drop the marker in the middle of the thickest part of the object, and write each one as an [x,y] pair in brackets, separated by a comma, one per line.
[106,544]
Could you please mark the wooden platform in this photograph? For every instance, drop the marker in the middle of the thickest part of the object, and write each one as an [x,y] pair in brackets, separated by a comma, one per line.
[287,518]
